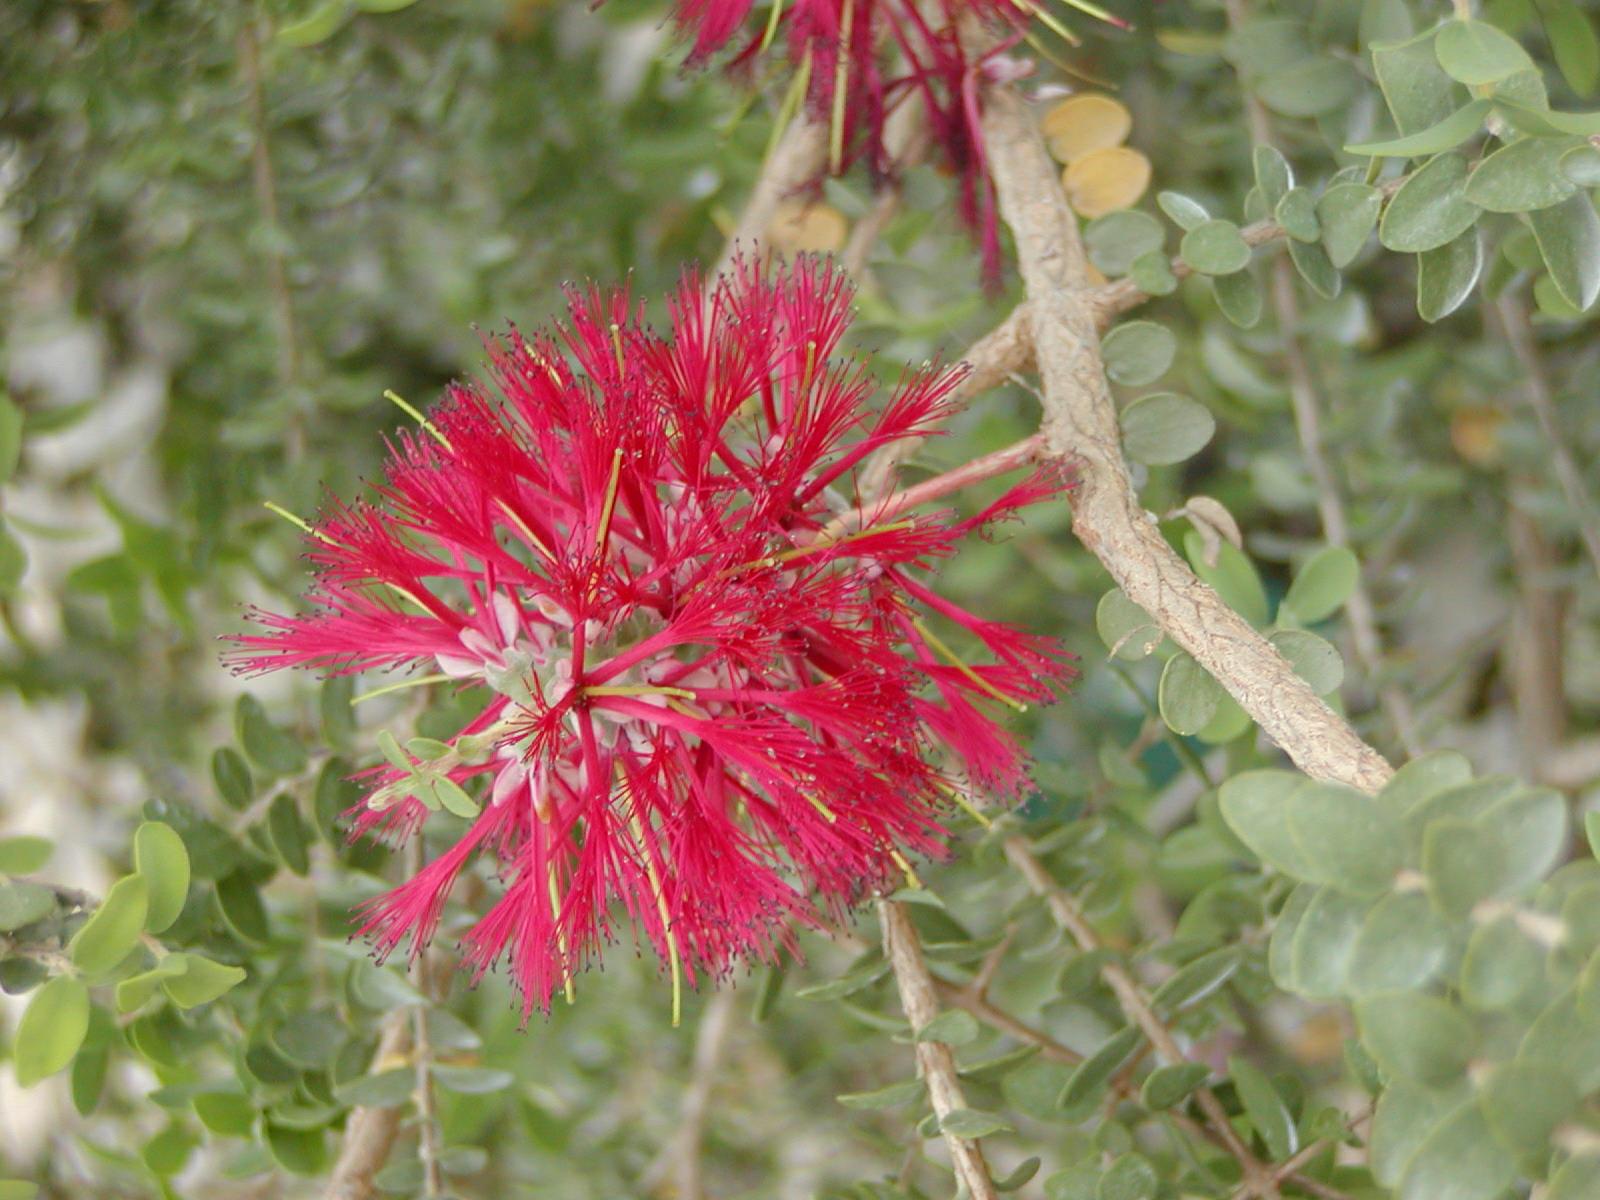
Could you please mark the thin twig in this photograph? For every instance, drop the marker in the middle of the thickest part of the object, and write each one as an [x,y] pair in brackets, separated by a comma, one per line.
[1133,1001]
[1512,317]
[680,1158]
[370,1130]
[266,194]
[1081,427]
[430,1148]
[935,1060]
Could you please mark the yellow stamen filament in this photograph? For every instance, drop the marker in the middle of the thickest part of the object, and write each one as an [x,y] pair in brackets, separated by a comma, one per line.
[966,805]
[911,875]
[561,938]
[410,410]
[616,347]
[603,530]
[420,681]
[636,689]
[841,76]
[772,25]
[532,538]
[298,522]
[955,661]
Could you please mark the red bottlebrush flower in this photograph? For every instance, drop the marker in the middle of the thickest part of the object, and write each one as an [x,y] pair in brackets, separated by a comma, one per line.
[857,59]
[709,691]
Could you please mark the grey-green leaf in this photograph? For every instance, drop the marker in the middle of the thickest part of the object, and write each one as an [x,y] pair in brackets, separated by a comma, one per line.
[1521,177]
[1138,352]
[1322,584]
[1215,248]
[1431,208]
[1347,213]
[1239,297]
[1569,241]
[1446,135]
[1421,1037]
[1187,695]
[1165,428]
[1475,52]
[1447,274]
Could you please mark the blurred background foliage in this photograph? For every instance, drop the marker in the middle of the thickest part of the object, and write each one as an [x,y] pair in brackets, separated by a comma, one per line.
[227,228]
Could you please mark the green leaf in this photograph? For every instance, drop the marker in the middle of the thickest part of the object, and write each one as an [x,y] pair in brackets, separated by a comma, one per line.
[1090,1076]
[1255,805]
[23,902]
[473,1081]
[1521,177]
[953,1027]
[1500,966]
[1430,208]
[231,775]
[1523,1103]
[1446,135]
[241,908]
[1280,946]
[1460,1159]
[1126,629]
[13,562]
[385,1089]
[1215,248]
[10,437]
[1569,241]
[268,746]
[1313,265]
[298,1151]
[1406,1114]
[1347,213]
[24,854]
[1117,239]
[112,930]
[1274,176]
[892,1096]
[1325,942]
[18,1189]
[1464,864]
[1165,428]
[1420,1037]
[51,1030]
[1234,577]
[288,833]
[1167,1087]
[1268,1114]
[1475,52]
[1309,88]
[1531,827]
[311,1039]
[1014,1179]
[202,982]
[1354,842]
[1577,1179]
[1447,274]
[1152,273]
[317,26]
[134,991]
[1581,165]
[1130,1177]
[1239,297]
[971,1123]
[227,1114]
[1187,695]
[454,798]
[1572,42]
[1423,778]
[1417,91]
[1403,944]
[1313,658]
[1138,352]
[1591,828]
[162,861]
[1195,981]
[1322,584]
[1297,213]
[1185,213]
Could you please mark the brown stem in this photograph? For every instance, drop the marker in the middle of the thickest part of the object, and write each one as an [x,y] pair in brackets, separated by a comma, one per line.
[370,1131]
[680,1158]
[935,1060]
[1081,427]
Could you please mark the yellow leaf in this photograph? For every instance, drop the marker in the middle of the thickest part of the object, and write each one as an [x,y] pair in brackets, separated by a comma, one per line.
[1106,180]
[1080,125]
[800,228]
